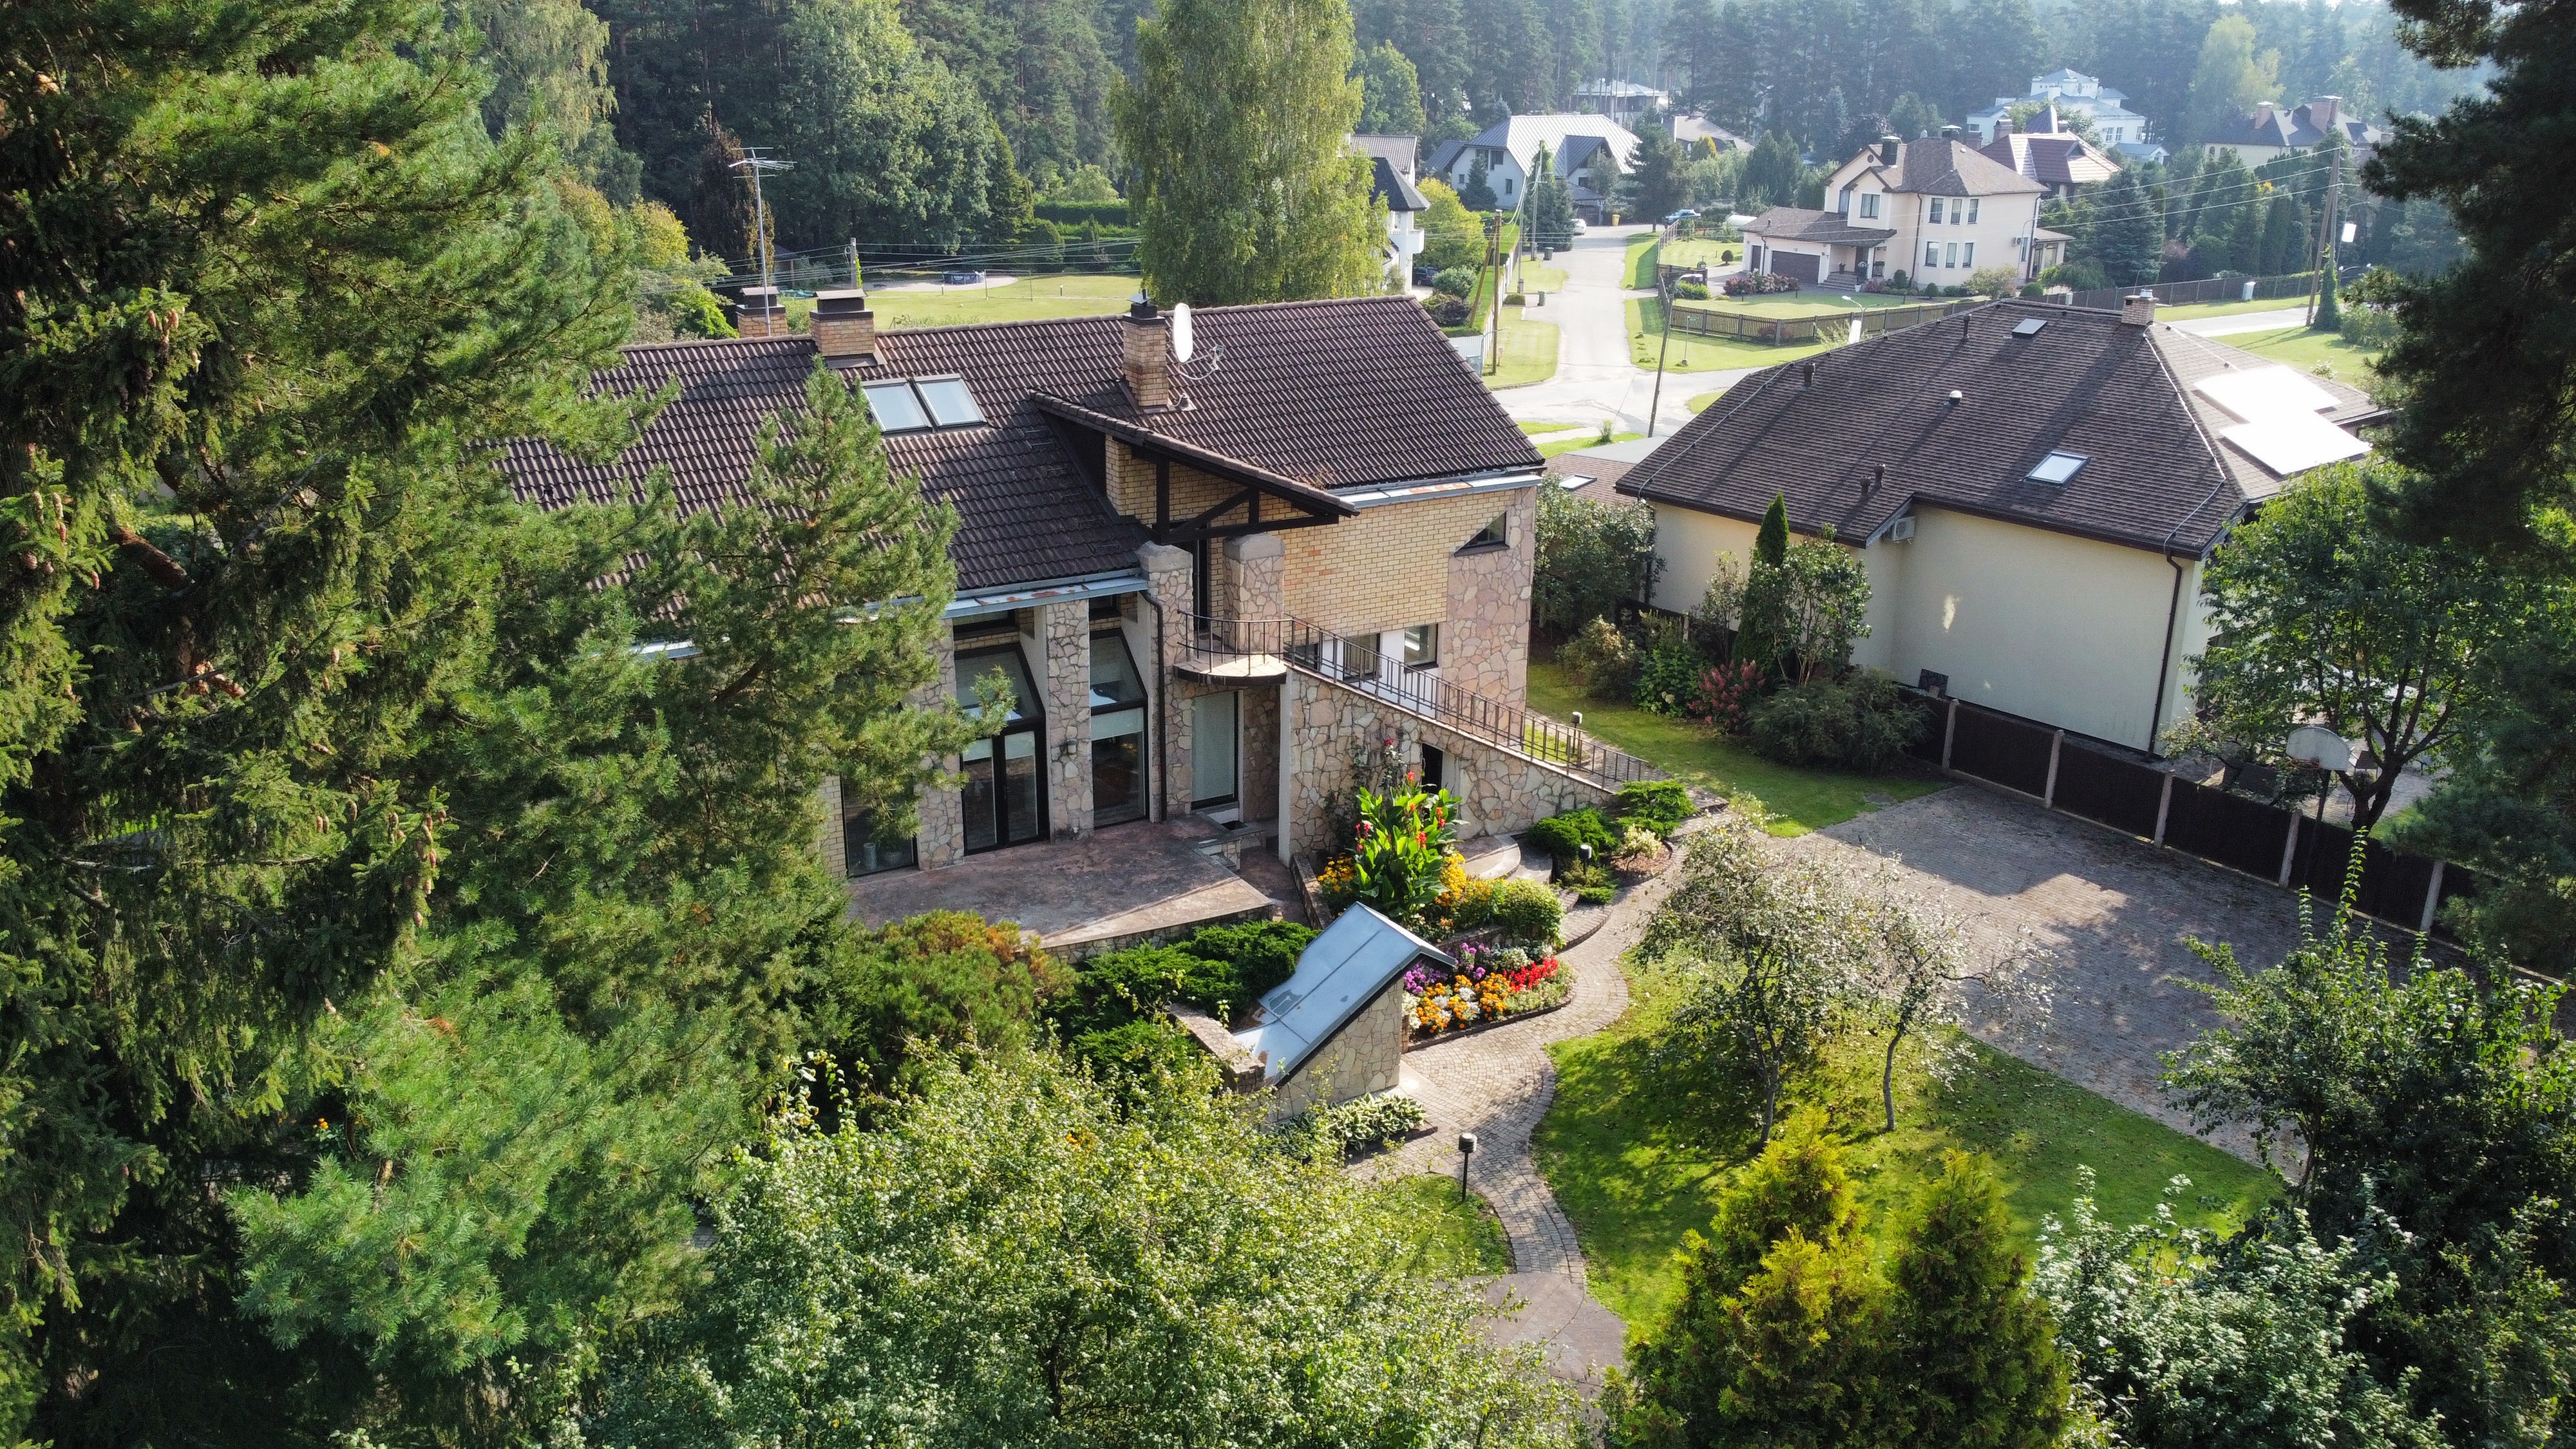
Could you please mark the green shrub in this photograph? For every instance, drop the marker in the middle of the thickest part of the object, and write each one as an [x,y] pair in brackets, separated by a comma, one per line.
[1659,805]
[1564,836]
[1361,1123]
[1668,676]
[1601,659]
[2374,328]
[944,978]
[1689,291]
[1454,282]
[1591,881]
[1525,910]
[1243,961]
[2033,291]
[1858,722]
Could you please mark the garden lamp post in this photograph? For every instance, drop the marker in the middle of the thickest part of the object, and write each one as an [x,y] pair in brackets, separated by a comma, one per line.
[1466,1150]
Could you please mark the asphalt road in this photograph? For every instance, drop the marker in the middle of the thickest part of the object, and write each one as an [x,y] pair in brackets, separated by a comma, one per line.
[1594,377]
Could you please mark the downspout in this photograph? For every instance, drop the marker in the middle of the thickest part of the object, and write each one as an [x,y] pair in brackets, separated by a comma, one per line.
[2173,609]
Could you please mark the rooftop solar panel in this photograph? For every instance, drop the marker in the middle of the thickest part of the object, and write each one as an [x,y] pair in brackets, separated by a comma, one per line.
[2260,394]
[2294,442]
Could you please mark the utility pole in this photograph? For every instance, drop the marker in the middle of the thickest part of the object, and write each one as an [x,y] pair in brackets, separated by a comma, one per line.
[755,163]
[2326,235]
[1493,265]
[1663,299]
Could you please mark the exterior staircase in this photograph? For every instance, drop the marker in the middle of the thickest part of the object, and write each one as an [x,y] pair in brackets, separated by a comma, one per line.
[1253,649]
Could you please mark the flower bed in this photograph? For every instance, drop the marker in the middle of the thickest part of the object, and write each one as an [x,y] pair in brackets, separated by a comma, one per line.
[1489,985]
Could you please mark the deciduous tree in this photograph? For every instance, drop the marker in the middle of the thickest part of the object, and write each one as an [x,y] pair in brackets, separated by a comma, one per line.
[1242,186]
[2228,79]
[1390,92]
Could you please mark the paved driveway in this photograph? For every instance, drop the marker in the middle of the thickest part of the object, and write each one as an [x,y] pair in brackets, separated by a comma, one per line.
[1595,377]
[2117,913]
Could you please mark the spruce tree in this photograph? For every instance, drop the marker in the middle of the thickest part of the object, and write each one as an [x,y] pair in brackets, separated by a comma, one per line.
[1971,1346]
[1234,128]
[1762,630]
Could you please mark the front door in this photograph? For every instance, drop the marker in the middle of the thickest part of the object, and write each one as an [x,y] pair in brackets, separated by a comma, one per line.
[1215,746]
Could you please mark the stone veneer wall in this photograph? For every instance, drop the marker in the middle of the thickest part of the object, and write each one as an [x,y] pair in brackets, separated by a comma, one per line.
[1366,1055]
[1499,792]
[1064,632]
[1167,578]
[829,843]
[1254,582]
[1484,643]
[941,835]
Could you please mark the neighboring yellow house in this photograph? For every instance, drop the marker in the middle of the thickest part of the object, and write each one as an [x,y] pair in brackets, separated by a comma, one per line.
[1936,211]
[2034,490]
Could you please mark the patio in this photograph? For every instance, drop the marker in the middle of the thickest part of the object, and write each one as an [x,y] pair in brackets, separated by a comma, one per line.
[1117,887]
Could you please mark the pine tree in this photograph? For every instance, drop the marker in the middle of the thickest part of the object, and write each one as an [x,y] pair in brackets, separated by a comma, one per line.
[1242,188]
[2329,317]
[2127,231]
[1972,1347]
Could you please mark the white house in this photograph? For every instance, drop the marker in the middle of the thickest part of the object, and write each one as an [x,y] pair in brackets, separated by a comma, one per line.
[1937,211]
[2074,93]
[1391,160]
[1590,152]
[2034,490]
[1623,101]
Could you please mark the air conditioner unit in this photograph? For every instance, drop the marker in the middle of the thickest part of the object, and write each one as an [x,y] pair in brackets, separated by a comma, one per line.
[1901,531]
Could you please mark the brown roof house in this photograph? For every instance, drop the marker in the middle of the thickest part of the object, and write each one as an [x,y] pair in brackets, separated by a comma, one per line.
[1214,555]
[2059,160]
[2269,132]
[1922,211]
[2033,488]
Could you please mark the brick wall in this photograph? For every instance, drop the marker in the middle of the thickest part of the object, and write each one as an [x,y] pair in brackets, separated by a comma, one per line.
[1386,569]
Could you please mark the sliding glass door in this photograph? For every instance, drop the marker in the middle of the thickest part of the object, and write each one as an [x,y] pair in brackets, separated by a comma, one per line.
[1005,798]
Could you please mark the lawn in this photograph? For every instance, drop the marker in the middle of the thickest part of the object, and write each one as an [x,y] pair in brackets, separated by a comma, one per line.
[2227,309]
[1025,300]
[1641,262]
[1798,800]
[1701,354]
[1528,352]
[1805,304]
[1638,1154]
[2303,349]
[1452,1238]
[1588,440]
[1530,427]
[1700,403]
[1702,251]
[1537,278]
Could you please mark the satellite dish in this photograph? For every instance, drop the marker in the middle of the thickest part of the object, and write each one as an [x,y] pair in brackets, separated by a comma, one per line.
[1181,346]
[2320,747]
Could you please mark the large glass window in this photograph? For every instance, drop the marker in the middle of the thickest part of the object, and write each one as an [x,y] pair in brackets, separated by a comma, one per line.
[1003,799]
[868,847]
[1117,732]
[1422,646]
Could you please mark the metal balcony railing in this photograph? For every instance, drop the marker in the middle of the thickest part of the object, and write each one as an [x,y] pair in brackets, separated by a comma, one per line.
[1223,648]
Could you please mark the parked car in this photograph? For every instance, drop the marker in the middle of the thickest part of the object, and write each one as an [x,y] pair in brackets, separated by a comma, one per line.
[962,278]
[1685,214]
[1579,227]
[1423,272]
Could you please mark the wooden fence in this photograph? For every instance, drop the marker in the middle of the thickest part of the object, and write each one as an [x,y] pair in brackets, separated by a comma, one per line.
[2284,846]
[2215,289]
[1697,321]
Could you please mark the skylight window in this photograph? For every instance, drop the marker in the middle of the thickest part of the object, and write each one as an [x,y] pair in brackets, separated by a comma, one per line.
[2029,326]
[2057,467]
[910,404]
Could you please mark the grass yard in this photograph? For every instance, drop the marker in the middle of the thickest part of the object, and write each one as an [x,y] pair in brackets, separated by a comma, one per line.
[2303,349]
[1537,278]
[1702,251]
[1641,262]
[1528,352]
[1805,304]
[1588,440]
[1025,300]
[1536,428]
[1700,403]
[1453,1239]
[1638,1156]
[1798,800]
[2227,309]
[1701,354]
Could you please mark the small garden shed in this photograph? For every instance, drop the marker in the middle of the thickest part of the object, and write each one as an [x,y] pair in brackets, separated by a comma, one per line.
[1335,1029]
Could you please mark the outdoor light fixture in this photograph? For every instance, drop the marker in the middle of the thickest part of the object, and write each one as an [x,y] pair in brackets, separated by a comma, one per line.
[1466,1150]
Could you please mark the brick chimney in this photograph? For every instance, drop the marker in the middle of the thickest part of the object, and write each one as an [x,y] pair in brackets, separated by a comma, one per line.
[2138,309]
[1889,148]
[843,325]
[758,313]
[1148,352]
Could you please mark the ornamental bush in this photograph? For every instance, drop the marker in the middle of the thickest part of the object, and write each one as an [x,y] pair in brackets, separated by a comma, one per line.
[1404,841]
[1690,291]
[943,978]
[1758,284]
[1360,1124]
[1668,676]
[1727,693]
[1454,282]
[1526,910]
[1858,722]
[1659,805]
[1564,836]
[1601,659]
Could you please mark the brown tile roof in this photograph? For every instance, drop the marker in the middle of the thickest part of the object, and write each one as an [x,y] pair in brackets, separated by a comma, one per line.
[1328,394]
[1951,168]
[2085,383]
[1797,223]
[2055,159]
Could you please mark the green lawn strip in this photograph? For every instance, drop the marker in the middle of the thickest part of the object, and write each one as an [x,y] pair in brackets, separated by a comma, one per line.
[1692,353]
[1806,304]
[1700,251]
[1528,352]
[1641,262]
[1527,426]
[1798,800]
[1542,279]
[1589,440]
[2303,349]
[1700,403]
[1026,300]
[1451,1238]
[1637,1157]
[2228,309]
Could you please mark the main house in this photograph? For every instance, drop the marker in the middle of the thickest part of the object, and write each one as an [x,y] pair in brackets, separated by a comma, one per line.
[1590,152]
[2034,490]
[1214,564]
[2072,92]
[1934,212]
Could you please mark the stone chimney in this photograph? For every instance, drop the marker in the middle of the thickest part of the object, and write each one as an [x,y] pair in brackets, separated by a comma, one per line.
[843,325]
[1889,148]
[1148,357]
[2003,127]
[1949,133]
[2138,309]
[758,314]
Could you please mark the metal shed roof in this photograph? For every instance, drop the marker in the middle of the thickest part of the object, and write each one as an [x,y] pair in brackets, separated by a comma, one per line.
[1339,972]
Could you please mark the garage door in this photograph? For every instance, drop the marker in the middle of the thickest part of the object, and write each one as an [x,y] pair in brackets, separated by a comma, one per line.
[1805,266]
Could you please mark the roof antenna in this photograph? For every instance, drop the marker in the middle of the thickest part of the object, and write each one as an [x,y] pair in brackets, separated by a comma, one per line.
[1811,375]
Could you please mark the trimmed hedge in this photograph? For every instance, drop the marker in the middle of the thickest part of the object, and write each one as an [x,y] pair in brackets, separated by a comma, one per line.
[1075,213]
[1527,911]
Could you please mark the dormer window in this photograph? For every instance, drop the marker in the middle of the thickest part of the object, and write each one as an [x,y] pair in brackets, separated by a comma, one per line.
[914,404]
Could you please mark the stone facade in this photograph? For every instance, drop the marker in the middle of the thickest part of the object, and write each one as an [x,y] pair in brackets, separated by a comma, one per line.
[1255,582]
[1366,1055]
[1485,639]
[1064,656]
[941,835]
[1500,792]
[1168,583]
[829,843]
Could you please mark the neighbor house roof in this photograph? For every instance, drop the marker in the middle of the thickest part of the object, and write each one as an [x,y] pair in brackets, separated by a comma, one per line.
[1797,223]
[1690,130]
[2156,472]
[1949,168]
[2299,127]
[1388,184]
[1398,151]
[2056,157]
[1341,971]
[1319,395]
[1522,136]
